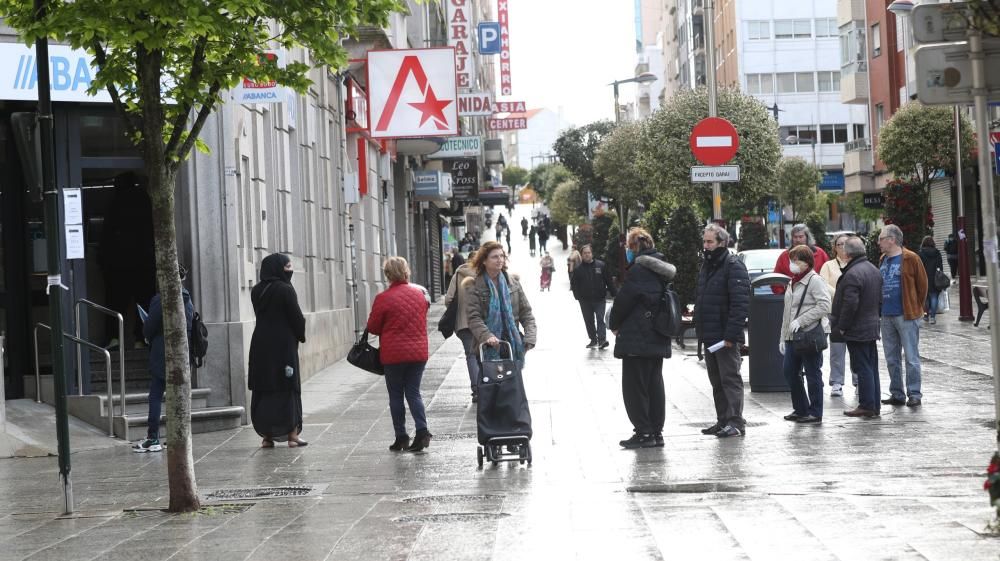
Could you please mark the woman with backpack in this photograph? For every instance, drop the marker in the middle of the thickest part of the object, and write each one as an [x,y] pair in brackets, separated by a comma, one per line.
[274,377]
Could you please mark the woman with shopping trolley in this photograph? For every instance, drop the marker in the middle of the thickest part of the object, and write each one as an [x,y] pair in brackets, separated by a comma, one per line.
[498,308]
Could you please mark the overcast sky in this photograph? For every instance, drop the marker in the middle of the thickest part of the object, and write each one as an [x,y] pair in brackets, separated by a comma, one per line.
[564,53]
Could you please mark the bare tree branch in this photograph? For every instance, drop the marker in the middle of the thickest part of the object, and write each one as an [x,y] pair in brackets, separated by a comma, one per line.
[197,71]
[132,123]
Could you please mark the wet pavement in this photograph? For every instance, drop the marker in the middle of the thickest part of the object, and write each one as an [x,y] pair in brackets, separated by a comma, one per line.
[905,486]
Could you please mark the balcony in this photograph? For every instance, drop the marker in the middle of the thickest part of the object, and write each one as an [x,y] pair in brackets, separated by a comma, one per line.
[858,166]
[850,10]
[854,86]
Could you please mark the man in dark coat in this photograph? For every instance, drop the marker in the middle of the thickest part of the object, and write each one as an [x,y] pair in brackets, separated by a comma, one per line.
[721,308]
[152,331]
[854,319]
[641,348]
[591,283]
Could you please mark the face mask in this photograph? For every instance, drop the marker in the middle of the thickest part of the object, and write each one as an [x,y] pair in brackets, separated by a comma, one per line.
[288,276]
[629,254]
[795,268]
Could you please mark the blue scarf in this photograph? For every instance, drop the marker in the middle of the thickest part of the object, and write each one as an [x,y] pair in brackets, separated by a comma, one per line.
[500,319]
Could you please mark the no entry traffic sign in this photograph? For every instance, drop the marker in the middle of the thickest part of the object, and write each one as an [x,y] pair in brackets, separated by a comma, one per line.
[714,141]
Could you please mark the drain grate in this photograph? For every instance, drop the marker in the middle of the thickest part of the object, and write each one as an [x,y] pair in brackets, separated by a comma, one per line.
[452,499]
[207,510]
[455,436]
[688,488]
[259,493]
[454,517]
[704,424]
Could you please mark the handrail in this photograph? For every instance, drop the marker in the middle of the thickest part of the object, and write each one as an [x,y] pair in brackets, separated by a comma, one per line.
[121,345]
[107,363]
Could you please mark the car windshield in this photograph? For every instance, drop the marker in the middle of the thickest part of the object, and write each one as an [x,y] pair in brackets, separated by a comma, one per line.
[758,260]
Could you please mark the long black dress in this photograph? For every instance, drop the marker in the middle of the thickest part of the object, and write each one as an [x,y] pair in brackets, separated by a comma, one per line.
[276,405]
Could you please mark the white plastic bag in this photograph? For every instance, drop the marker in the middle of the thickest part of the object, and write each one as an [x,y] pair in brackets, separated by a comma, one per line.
[943,303]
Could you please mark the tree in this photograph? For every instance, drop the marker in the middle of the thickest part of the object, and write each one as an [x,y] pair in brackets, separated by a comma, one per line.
[899,209]
[612,251]
[918,145]
[797,186]
[654,220]
[577,148]
[164,65]
[546,177]
[985,16]
[817,225]
[601,235]
[753,235]
[682,247]
[564,204]
[616,165]
[515,176]
[665,157]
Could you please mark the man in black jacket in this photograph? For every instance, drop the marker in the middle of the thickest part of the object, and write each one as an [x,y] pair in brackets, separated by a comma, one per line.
[590,283]
[721,308]
[854,319]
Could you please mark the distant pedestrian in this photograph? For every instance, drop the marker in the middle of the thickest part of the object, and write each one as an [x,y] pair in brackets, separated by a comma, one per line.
[572,262]
[931,259]
[640,347]
[507,237]
[854,318]
[497,306]
[951,250]
[399,318]
[548,267]
[807,303]
[499,230]
[152,331]
[543,238]
[831,273]
[455,291]
[591,283]
[532,234]
[274,376]
[801,235]
[721,307]
[904,290]
[524,227]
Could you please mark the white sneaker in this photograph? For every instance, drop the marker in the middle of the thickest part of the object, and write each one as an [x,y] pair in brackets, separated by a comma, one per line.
[147,445]
[837,391]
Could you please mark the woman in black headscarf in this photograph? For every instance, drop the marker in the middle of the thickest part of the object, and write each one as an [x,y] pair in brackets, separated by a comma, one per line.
[274,377]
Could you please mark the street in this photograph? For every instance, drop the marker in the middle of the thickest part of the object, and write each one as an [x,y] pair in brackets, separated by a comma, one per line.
[905,486]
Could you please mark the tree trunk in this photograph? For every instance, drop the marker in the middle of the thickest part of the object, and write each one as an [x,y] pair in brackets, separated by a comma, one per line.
[160,170]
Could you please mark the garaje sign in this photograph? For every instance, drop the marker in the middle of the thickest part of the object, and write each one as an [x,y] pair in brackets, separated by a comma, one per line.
[412,92]
[460,37]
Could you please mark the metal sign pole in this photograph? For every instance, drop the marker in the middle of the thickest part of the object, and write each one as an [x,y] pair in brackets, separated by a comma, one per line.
[964,285]
[987,208]
[710,84]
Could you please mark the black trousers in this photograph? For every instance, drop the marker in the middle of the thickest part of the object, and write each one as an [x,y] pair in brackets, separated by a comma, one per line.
[727,385]
[594,309]
[642,391]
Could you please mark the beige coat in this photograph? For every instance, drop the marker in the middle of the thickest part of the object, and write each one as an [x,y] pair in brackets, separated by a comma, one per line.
[815,306]
[477,297]
[462,317]
[831,272]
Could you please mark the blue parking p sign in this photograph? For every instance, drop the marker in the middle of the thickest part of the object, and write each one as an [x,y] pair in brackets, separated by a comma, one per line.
[489,38]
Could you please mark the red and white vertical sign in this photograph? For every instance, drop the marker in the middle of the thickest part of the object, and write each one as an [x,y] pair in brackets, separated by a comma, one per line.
[460,36]
[504,48]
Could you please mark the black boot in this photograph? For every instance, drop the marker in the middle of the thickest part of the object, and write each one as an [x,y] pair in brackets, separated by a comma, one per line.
[401,443]
[421,441]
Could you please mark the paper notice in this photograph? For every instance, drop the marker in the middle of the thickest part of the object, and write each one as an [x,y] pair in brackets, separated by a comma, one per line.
[717,346]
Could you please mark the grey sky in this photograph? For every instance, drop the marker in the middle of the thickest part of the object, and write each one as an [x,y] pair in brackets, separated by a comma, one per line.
[564,53]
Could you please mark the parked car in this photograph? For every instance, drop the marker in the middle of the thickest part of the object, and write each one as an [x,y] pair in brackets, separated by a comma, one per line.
[758,262]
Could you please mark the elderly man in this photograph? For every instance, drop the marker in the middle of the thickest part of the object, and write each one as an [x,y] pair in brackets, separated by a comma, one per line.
[854,320]
[800,236]
[591,283]
[904,289]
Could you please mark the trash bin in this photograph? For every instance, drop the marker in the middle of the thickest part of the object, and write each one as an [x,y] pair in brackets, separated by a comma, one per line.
[766,308]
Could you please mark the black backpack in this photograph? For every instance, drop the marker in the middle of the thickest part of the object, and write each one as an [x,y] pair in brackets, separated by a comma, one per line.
[667,321]
[198,343]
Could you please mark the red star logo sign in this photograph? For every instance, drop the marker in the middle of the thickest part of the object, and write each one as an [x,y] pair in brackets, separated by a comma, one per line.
[401,81]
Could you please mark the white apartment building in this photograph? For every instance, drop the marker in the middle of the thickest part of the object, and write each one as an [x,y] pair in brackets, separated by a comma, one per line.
[532,146]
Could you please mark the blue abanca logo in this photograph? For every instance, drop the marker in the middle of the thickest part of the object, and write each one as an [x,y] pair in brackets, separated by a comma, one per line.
[66,74]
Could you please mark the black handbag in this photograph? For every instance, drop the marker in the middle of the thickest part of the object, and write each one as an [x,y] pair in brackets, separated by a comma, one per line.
[809,341]
[941,280]
[365,356]
[667,321]
[446,325]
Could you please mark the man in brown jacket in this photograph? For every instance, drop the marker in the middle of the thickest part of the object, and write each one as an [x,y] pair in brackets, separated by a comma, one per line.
[904,289]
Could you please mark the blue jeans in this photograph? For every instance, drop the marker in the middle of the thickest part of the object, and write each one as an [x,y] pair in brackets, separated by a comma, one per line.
[802,404]
[899,337]
[864,361]
[403,380]
[838,354]
[156,389]
[471,360]
[932,303]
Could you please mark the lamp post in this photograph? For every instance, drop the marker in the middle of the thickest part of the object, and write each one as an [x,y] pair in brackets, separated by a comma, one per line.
[796,140]
[902,9]
[644,78]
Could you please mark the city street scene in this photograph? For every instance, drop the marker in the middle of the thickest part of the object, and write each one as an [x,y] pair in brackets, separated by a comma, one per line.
[478,279]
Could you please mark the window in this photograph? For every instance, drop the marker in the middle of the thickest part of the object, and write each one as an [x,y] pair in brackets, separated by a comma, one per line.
[806,133]
[804,82]
[792,29]
[758,30]
[859,131]
[828,81]
[832,134]
[876,41]
[826,27]
[760,83]
[786,82]
[879,118]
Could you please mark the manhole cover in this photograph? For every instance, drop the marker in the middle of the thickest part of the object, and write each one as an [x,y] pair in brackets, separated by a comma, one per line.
[259,493]
[207,510]
[688,488]
[454,517]
[455,436]
[705,424]
[452,499]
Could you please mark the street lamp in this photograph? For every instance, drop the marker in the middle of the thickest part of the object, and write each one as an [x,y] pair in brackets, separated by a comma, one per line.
[792,139]
[644,78]
[902,9]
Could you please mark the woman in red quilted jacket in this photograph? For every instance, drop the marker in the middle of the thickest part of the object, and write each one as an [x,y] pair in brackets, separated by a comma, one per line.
[399,318]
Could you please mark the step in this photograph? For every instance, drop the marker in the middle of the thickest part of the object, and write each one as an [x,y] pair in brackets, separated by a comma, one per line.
[137,403]
[207,419]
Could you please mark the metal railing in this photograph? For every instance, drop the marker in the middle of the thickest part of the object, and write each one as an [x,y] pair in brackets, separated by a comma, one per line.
[857,144]
[107,364]
[79,350]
